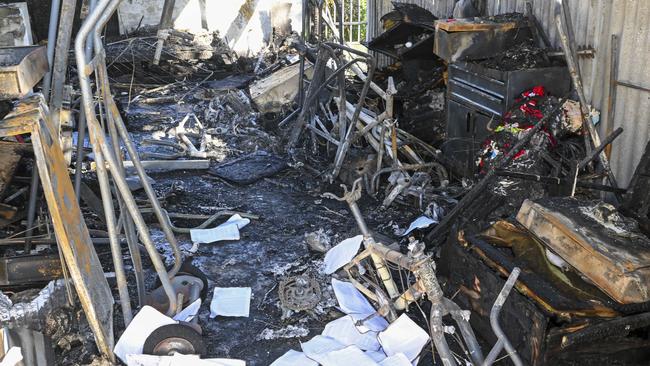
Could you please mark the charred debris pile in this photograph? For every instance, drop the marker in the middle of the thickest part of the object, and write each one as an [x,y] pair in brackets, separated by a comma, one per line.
[167,200]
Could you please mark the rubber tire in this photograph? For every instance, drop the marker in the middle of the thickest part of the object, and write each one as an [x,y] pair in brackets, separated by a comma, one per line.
[176,331]
[187,268]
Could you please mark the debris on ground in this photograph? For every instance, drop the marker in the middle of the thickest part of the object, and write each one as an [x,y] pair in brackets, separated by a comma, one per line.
[438,195]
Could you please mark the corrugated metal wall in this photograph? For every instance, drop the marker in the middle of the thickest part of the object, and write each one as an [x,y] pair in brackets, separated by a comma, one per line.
[594,22]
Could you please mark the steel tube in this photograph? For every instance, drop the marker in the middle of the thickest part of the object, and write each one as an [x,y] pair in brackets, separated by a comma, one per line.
[475,352]
[438,335]
[105,189]
[100,147]
[164,25]
[116,125]
[129,229]
[81,127]
[565,32]
[51,44]
[31,207]
[496,327]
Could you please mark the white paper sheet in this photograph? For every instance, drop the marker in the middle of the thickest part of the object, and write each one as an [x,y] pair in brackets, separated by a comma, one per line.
[344,331]
[180,360]
[353,303]
[419,223]
[377,356]
[12,357]
[134,336]
[229,230]
[294,358]
[190,311]
[317,347]
[350,355]
[403,336]
[342,254]
[230,301]
[396,360]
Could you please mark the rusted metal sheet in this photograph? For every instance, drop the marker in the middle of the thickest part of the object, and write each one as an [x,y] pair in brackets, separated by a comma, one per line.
[596,241]
[29,269]
[20,69]
[32,116]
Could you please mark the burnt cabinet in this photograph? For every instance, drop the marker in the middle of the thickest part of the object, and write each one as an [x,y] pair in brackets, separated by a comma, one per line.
[467,128]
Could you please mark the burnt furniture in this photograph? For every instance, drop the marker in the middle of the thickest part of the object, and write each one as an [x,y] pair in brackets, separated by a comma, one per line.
[20,69]
[478,96]
[472,38]
[548,320]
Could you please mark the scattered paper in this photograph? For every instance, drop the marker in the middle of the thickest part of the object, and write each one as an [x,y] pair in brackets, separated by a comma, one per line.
[353,303]
[132,340]
[190,311]
[396,360]
[377,356]
[403,336]
[230,301]
[180,360]
[229,230]
[344,331]
[419,223]
[13,357]
[350,355]
[317,347]
[294,358]
[342,254]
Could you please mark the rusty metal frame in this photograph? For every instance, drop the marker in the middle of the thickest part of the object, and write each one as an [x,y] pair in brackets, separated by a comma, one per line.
[31,116]
[110,163]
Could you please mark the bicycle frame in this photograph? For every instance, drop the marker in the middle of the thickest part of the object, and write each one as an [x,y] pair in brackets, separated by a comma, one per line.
[423,266]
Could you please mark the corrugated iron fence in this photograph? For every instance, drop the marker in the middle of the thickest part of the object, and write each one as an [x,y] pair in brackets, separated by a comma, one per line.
[594,21]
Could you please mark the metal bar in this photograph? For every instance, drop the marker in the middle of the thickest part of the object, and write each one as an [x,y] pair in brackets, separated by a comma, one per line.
[71,232]
[51,43]
[613,77]
[81,137]
[558,181]
[103,152]
[474,349]
[301,81]
[117,128]
[90,40]
[59,69]
[163,28]
[107,200]
[31,207]
[633,86]
[608,140]
[81,127]
[503,341]
[343,148]
[568,44]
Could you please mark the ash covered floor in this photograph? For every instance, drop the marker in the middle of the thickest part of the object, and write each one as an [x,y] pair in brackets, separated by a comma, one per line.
[271,248]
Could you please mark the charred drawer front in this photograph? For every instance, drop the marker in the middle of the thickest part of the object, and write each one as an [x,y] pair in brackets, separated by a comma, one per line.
[467,128]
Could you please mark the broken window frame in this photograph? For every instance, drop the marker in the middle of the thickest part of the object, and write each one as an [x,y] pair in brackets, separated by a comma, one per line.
[355,19]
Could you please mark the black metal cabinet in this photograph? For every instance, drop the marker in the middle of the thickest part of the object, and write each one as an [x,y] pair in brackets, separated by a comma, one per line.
[477,97]
[467,128]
